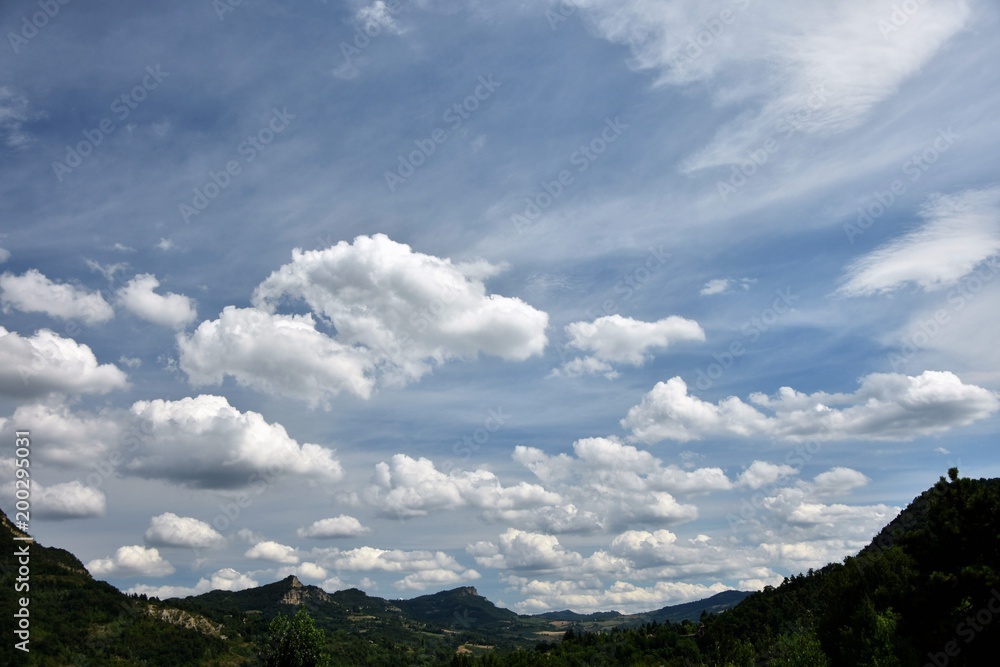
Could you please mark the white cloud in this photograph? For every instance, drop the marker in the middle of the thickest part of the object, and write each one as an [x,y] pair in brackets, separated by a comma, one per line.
[226,579]
[170,530]
[839,481]
[131,561]
[46,362]
[959,232]
[34,293]
[165,244]
[4,255]
[273,552]
[72,440]
[817,61]
[425,568]
[170,310]
[204,442]
[396,313]
[617,339]
[276,354]
[376,17]
[586,366]
[419,581]
[339,526]
[70,500]
[723,285]
[644,548]
[409,310]
[109,271]
[590,595]
[886,406]
[304,570]
[521,550]
[762,473]
[413,487]
[609,484]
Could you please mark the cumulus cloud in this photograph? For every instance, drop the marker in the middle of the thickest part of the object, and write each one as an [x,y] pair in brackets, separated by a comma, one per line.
[305,570]
[762,473]
[46,362]
[70,500]
[521,550]
[276,354]
[393,315]
[886,406]
[170,530]
[607,484]
[226,579]
[131,561]
[204,442]
[408,309]
[338,526]
[170,310]
[72,439]
[646,549]
[413,487]
[424,568]
[273,552]
[959,233]
[819,77]
[623,340]
[590,594]
[839,481]
[35,293]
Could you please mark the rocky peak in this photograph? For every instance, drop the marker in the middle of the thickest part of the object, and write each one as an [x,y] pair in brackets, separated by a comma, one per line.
[298,592]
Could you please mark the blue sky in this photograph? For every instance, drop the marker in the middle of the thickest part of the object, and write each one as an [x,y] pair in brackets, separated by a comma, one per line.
[587,304]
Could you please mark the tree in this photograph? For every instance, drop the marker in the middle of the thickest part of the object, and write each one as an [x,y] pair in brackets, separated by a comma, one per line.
[294,642]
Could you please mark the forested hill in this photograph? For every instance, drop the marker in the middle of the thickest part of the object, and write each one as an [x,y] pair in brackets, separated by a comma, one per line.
[926,590]
[77,620]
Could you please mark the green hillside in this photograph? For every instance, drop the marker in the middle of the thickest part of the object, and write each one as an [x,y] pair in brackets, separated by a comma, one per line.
[76,620]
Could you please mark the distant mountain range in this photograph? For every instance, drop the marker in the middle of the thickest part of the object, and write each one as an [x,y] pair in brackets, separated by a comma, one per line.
[926,587]
[75,616]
